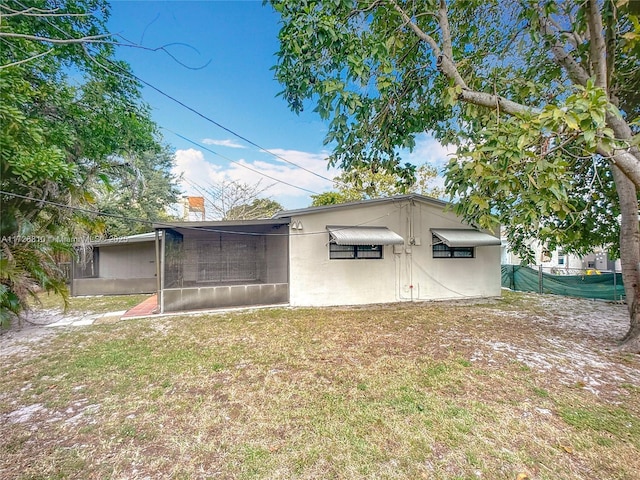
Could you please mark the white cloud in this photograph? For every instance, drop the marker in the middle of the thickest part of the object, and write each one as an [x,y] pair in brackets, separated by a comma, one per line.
[429,150]
[197,171]
[223,143]
[290,185]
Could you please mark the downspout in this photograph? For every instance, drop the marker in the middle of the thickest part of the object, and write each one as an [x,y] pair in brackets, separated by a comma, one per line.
[407,254]
[412,242]
[158,272]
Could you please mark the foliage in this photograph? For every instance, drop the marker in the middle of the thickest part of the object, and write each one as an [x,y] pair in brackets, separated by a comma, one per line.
[540,97]
[379,82]
[234,200]
[139,195]
[360,184]
[531,174]
[69,121]
[258,208]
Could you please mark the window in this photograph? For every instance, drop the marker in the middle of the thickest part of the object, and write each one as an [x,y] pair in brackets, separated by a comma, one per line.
[351,252]
[442,250]
[561,257]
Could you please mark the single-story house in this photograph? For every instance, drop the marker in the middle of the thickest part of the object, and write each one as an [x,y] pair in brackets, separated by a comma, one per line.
[116,266]
[402,248]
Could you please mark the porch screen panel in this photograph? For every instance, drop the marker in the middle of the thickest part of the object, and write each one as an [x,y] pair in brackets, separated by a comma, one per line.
[173,259]
[230,258]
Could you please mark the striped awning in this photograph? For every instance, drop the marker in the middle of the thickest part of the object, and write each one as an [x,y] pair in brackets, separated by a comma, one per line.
[453,237]
[364,236]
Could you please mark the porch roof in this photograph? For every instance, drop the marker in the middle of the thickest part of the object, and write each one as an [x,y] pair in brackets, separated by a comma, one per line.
[226,224]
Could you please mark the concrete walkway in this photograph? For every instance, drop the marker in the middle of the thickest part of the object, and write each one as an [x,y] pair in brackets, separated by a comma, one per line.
[80,320]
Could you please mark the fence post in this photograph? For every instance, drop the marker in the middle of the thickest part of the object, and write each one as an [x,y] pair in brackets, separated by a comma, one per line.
[540,289]
[615,286]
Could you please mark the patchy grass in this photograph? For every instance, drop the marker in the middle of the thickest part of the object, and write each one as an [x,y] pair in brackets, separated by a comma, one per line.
[93,304]
[438,391]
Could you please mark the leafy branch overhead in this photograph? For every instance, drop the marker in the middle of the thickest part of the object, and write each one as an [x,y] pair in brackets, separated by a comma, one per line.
[539,97]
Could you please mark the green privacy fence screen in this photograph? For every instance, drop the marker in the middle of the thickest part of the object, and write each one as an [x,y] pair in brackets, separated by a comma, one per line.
[606,286]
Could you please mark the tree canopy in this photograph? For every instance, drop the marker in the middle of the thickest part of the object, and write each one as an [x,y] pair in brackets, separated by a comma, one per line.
[539,97]
[360,184]
[73,126]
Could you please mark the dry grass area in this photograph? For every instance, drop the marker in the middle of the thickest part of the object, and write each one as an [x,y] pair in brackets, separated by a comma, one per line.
[520,385]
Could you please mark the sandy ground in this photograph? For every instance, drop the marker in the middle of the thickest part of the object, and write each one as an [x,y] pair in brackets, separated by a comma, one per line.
[574,339]
[38,326]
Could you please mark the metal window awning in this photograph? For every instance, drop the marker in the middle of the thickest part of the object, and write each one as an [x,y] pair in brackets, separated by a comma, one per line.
[453,237]
[364,236]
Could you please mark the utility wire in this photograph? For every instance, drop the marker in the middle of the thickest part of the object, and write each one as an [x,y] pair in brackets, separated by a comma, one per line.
[219,125]
[193,142]
[165,224]
[205,117]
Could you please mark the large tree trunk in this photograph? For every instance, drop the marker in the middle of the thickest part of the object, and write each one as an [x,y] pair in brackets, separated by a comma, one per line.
[629,256]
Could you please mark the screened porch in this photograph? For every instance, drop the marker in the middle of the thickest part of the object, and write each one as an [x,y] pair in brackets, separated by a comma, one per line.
[208,265]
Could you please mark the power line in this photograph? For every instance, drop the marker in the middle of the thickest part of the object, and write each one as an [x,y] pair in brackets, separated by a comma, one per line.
[124,72]
[193,142]
[165,224]
[219,125]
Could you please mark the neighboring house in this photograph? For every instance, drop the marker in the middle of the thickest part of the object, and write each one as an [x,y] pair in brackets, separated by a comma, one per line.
[118,266]
[559,262]
[403,248]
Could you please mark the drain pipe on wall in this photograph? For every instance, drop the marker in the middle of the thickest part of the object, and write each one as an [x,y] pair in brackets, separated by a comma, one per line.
[158,284]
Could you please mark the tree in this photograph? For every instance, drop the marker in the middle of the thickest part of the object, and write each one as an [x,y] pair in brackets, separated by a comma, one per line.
[71,118]
[360,184]
[140,194]
[234,200]
[258,208]
[539,96]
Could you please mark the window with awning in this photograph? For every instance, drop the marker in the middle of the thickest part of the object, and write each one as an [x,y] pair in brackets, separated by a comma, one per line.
[364,236]
[453,237]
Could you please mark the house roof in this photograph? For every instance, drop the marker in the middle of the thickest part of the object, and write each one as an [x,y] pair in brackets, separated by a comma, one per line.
[373,201]
[364,236]
[141,237]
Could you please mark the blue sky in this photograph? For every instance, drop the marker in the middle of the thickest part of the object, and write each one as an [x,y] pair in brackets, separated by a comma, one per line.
[223,53]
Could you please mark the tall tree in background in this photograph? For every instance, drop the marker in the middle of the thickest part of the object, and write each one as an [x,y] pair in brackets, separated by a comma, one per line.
[361,184]
[235,200]
[539,96]
[140,194]
[257,209]
[70,125]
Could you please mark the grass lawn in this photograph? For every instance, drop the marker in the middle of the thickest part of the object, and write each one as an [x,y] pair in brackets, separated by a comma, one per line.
[520,385]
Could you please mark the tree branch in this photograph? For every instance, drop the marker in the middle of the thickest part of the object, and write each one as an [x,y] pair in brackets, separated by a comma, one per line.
[596,44]
[39,12]
[26,59]
[575,71]
[627,160]
[89,39]
[445,61]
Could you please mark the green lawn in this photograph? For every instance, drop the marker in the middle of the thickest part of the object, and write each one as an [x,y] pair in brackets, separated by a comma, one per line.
[407,391]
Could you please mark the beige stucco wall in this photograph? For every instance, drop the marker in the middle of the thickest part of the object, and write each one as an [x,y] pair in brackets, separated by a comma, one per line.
[129,260]
[405,273]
